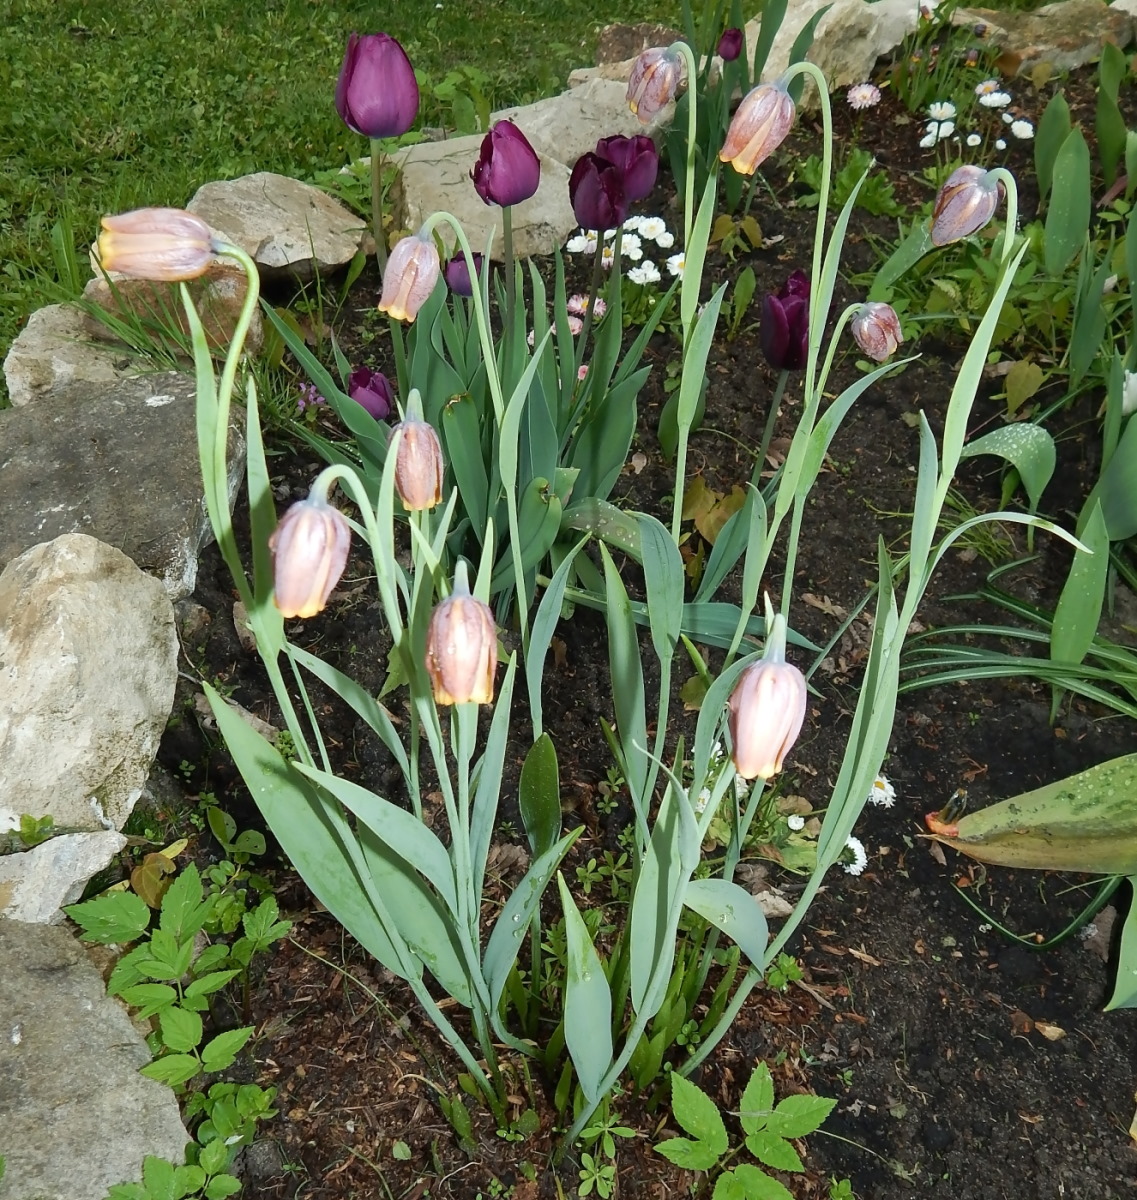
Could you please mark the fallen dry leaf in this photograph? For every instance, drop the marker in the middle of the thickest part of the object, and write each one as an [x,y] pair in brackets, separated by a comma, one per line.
[864,956]
[825,605]
[1052,1033]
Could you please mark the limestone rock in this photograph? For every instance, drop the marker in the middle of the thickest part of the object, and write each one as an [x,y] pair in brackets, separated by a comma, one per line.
[77,1116]
[53,350]
[88,664]
[435,176]
[291,229]
[1065,35]
[117,461]
[36,883]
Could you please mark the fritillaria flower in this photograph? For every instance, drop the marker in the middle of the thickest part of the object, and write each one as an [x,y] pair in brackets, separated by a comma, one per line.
[461,647]
[730,45]
[784,331]
[377,94]
[760,125]
[966,202]
[412,271]
[372,390]
[596,192]
[418,465]
[309,552]
[766,709]
[166,244]
[508,169]
[638,162]
[654,80]
[876,329]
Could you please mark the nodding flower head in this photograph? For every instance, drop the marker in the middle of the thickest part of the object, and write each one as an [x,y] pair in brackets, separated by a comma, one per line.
[760,125]
[165,244]
[876,329]
[309,552]
[461,647]
[966,202]
[412,271]
[654,81]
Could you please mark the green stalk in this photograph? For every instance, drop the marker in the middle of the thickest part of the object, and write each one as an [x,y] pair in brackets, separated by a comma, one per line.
[377,204]
[1008,181]
[510,280]
[692,133]
[594,291]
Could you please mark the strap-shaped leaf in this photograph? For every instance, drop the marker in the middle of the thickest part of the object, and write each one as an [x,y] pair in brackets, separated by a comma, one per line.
[627,680]
[461,428]
[538,522]
[545,622]
[733,910]
[663,578]
[539,794]
[588,1002]
[1125,985]
[489,772]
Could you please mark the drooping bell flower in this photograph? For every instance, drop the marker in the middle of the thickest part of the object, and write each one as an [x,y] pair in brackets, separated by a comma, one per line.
[596,193]
[966,202]
[166,244]
[654,81]
[508,169]
[759,127]
[461,647]
[412,271]
[766,710]
[730,45]
[457,274]
[309,552]
[372,389]
[377,94]
[876,329]
[784,330]
[418,465]
[638,161]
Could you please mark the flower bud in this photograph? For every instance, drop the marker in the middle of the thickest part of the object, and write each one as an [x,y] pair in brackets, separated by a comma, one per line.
[412,271]
[784,329]
[760,125]
[377,93]
[654,80]
[461,647]
[766,709]
[965,203]
[508,170]
[638,162]
[730,44]
[372,390]
[596,193]
[166,244]
[309,551]
[418,464]
[876,329]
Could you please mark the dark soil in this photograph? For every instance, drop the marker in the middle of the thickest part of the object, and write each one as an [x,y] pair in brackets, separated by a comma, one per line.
[965,1065]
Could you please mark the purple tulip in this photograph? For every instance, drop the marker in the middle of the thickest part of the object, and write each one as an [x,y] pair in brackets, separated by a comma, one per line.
[457,274]
[508,169]
[730,45]
[596,193]
[373,390]
[377,94]
[785,324]
[637,159]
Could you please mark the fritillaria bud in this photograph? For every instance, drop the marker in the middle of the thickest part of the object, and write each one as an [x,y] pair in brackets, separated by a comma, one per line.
[166,244]
[966,202]
[412,271]
[418,464]
[760,125]
[766,709]
[730,45]
[508,170]
[876,329]
[309,552]
[377,93]
[461,647]
[654,80]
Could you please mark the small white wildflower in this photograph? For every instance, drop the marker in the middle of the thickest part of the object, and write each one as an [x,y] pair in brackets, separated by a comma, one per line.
[676,263]
[741,787]
[987,87]
[973,139]
[882,792]
[995,99]
[702,800]
[1110,285]
[631,247]
[862,95]
[583,243]
[1000,144]
[928,141]
[1128,398]
[1008,118]
[653,228]
[1023,130]
[717,753]
[796,822]
[860,858]
[941,110]
[608,257]
[632,224]
[946,129]
[646,272]
[665,240]
[609,234]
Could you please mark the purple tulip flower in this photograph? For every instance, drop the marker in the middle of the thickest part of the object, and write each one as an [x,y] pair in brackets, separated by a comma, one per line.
[457,274]
[730,45]
[377,94]
[596,193]
[638,161]
[508,169]
[373,390]
[785,324]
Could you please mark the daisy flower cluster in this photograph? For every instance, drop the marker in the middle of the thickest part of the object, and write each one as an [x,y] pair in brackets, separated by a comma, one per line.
[989,95]
[940,123]
[640,236]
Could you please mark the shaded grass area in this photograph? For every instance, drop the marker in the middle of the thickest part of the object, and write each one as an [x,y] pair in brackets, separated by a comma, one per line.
[112,104]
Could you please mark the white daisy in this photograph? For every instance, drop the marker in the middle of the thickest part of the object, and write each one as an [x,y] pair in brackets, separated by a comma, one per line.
[632,224]
[631,247]
[862,95]
[676,263]
[609,234]
[1000,144]
[882,792]
[646,272]
[1129,394]
[653,228]
[1008,118]
[987,87]
[583,243]
[860,858]
[795,822]
[608,257]
[702,800]
[973,139]
[665,240]
[995,99]
[928,141]
[1023,130]
[941,110]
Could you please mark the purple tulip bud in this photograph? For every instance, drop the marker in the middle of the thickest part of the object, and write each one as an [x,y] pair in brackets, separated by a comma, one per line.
[965,203]
[654,80]
[309,552]
[508,169]
[730,45]
[377,94]
[457,274]
[785,324]
[876,329]
[418,465]
[638,161]
[156,243]
[461,647]
[596,193]
[373,390]
[412,271]
[759,127]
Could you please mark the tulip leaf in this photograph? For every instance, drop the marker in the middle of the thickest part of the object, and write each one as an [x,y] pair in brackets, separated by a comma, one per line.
[733,910]
[1079,607]
[601,443]
[1117,489]
[744,529]
[588,1002]
[541,635]
[538,522]
[1068,217]
[539,441]
[483,814]
[539,795]
[461,429]
[1027,447]
[1124,993]
[663,581]
[1053,129]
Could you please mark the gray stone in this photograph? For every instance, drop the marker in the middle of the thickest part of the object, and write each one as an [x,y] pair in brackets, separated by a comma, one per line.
[77,1117]
[36,883]
[291,229]
[117,461]
[435,176]
[53,350]
[88,664]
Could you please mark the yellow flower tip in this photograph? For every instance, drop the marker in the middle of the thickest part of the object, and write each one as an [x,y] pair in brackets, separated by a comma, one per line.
[309,548]
[165,244]
[759,127]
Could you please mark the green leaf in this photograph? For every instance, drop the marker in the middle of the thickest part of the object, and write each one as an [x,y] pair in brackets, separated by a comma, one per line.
[203,985]
[117,917]
[214,1157]
[219,1053]
[1079,607]
[184,911]
[692,1156]
[757,1100]
[170,959]
[172,1069]
[663,580]
[1028,448]
[798,1115]
[181,1030]
[188,1180]
[221,1186]
[1068,217]
[627,676]
[698,1114]
[1116,486]
[1125,985]
[774,1151]
[262,926]
[733,910]
[1052,131]
[756,1185]
[158,1177]
[148,998]
[539,796]
[587,1004]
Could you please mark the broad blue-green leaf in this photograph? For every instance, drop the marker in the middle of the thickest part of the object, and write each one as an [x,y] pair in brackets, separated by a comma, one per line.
[650,931]
[733,910]
[1052,131]
[588,1002]
[539,795]
[541,635]
[1117,488]
[1079,607]
[663,579]
[538,522]
[1027,447]
[1125,985]
[627,677]
[1068,218]
[461,429]
[489,771]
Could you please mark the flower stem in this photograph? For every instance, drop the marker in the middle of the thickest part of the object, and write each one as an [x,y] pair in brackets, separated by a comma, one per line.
[594,291]
[377,204]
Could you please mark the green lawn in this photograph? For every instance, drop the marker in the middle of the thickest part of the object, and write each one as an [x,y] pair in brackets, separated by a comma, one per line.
[113,104]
